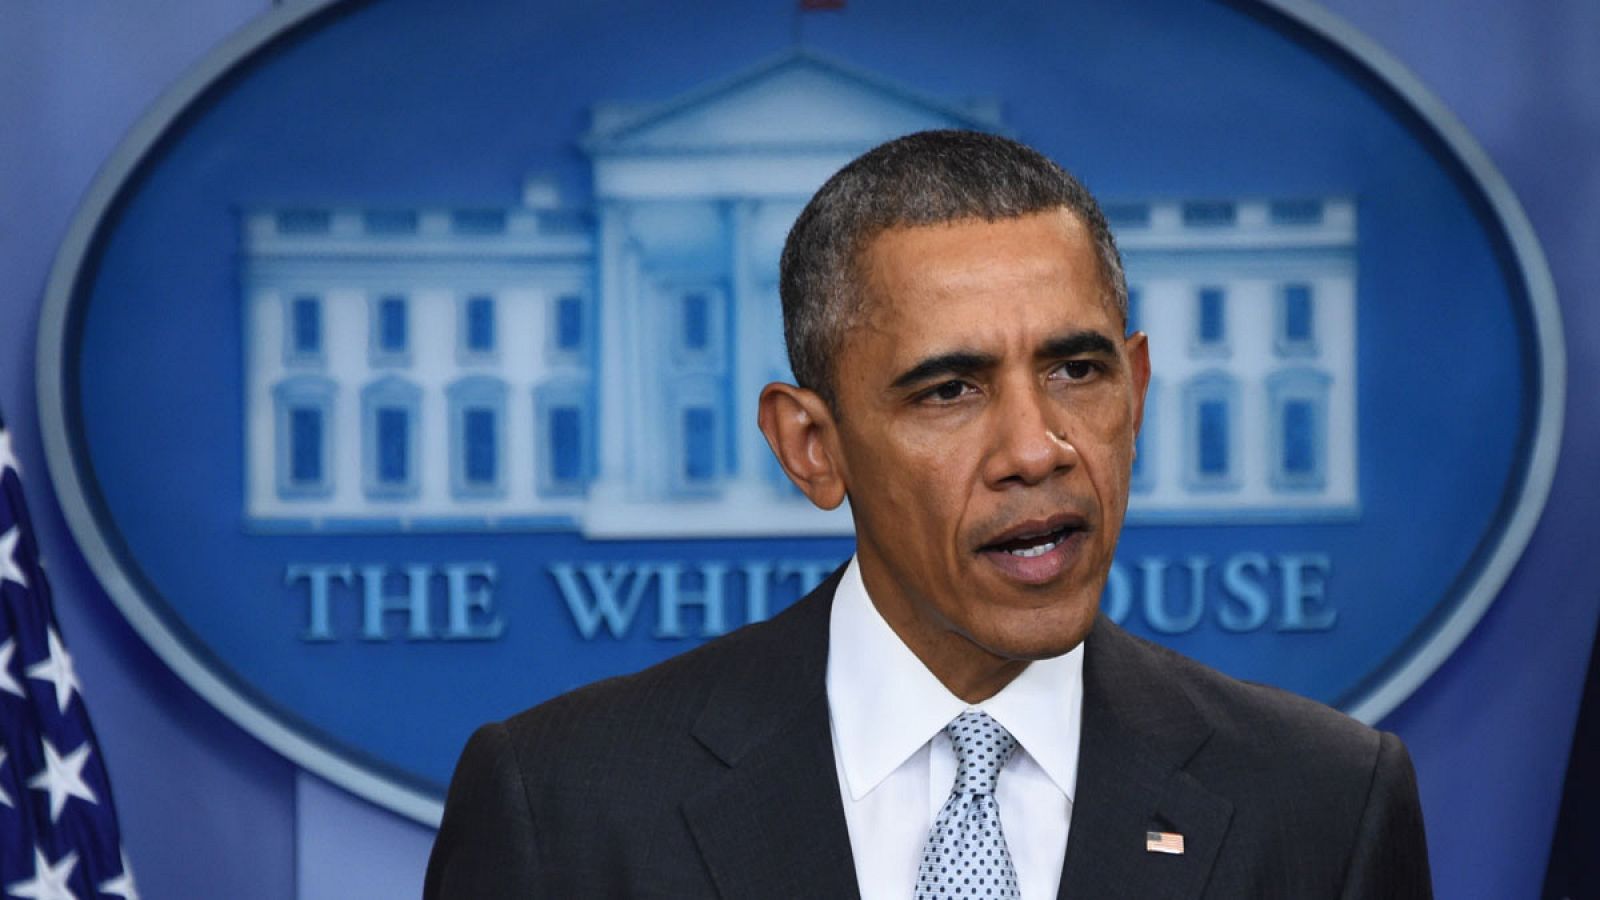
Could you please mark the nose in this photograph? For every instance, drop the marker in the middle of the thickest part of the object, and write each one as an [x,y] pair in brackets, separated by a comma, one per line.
[1029,440]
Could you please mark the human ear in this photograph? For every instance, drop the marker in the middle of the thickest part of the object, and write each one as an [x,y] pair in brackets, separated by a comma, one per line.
[1138,347]
[800,429]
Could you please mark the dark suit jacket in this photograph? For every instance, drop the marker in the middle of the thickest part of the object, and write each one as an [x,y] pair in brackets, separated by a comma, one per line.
[712,775]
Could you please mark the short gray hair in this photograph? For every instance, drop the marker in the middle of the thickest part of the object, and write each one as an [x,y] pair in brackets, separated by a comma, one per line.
[926,178]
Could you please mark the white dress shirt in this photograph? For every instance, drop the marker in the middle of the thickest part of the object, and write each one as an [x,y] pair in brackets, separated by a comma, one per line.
[896,765]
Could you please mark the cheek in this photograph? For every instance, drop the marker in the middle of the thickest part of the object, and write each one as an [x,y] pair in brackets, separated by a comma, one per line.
[1105,443]
[1111,423]
[919,456]
[917,484]
[925,496]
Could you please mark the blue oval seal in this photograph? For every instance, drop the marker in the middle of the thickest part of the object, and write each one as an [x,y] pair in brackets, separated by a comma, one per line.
[399,369]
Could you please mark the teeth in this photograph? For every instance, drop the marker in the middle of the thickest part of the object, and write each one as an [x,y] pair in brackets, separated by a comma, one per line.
[1032,552]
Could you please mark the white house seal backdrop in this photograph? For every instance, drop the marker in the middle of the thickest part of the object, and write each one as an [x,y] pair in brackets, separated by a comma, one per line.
[401,370]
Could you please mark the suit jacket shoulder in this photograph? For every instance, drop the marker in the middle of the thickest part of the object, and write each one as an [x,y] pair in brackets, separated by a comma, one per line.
[642,785]
[712,774]
[1277,796]
[1271,728]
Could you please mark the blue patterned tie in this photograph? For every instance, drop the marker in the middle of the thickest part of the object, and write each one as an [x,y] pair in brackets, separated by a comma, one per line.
[966,854]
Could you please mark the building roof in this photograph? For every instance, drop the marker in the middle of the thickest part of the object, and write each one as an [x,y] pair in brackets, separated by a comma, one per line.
[798,100]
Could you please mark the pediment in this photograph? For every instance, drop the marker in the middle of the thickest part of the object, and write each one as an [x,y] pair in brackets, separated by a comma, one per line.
[796,102]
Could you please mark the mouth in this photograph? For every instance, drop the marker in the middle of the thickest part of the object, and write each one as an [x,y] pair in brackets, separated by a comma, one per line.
[1037,551]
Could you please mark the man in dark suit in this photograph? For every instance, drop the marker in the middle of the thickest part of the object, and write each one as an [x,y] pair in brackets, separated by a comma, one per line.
[955,311]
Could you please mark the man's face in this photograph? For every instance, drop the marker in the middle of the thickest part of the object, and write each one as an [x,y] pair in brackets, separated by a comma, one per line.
[987,409]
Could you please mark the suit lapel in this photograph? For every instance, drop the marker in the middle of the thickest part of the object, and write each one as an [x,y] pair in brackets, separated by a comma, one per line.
[773,824]
[1139,730]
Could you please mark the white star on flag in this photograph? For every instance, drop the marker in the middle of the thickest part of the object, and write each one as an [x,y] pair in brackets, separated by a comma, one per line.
[8,456]
[38,820]
[122,885]
[48,882]
[58,671]
[8,681]
[9,570]
[63,777]
[4,796]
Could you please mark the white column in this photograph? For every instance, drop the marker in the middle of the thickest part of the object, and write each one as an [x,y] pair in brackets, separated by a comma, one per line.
[612,371]
[640,373]
[749,366]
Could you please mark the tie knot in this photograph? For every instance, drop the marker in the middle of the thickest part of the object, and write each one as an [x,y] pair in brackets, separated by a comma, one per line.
[982,747]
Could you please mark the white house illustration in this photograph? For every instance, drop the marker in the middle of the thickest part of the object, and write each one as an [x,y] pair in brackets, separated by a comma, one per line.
[543,366]
[1251,309]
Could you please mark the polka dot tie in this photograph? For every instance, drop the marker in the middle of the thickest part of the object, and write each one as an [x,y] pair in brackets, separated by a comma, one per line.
[966,853]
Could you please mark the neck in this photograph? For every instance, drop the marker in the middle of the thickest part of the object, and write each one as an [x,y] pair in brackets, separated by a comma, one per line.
[964,668]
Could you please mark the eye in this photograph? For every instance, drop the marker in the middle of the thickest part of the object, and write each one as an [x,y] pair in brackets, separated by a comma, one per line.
[947,392]
[1077,369]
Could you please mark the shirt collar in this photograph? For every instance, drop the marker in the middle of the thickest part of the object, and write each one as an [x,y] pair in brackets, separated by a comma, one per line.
[1043,710]
[886,705]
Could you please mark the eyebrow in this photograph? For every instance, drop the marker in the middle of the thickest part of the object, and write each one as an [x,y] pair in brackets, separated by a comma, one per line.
[957,363]
[954,363]
[1078,343]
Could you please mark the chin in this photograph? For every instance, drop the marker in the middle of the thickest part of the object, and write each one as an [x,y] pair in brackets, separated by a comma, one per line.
[1035,637]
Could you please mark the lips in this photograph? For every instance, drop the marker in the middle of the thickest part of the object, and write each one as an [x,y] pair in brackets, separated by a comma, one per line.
[1037,550]
[1029,536]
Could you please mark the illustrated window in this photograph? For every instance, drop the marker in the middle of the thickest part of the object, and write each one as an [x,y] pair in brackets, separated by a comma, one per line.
[390,413]
[1211,320]
[1211,438]
[391,330]
[565,451]
[305,329]
[1298,401]
[477,434]
[1297,335]
[477,327]
[304,414]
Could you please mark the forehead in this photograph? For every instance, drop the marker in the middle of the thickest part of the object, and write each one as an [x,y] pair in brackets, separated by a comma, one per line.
[984,281]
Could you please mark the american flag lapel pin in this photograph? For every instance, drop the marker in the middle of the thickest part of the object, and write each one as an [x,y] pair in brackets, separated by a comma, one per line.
[1163,842]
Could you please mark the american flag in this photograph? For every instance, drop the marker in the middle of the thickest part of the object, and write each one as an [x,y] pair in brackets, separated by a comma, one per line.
[1163,842]
[58,830]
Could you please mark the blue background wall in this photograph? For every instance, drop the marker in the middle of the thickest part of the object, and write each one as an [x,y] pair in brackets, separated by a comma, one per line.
[208,811]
